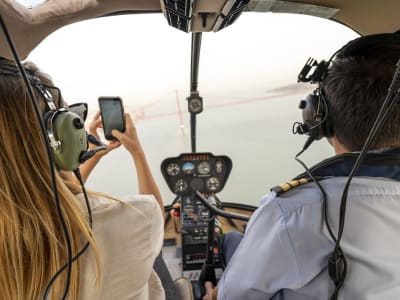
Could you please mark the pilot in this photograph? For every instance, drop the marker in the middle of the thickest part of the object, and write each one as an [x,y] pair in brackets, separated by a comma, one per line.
[287,244]
[125,237]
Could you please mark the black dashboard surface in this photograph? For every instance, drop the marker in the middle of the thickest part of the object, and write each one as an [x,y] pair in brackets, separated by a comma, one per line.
[191,172]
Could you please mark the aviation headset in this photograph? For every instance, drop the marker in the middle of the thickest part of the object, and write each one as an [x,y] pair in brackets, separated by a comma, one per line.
[65,129]
[317,121]
[67,134]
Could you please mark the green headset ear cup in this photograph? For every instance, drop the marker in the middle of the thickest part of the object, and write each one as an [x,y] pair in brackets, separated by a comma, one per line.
[73,141]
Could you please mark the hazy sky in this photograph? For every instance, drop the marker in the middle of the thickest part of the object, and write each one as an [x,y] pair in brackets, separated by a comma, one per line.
[142,59]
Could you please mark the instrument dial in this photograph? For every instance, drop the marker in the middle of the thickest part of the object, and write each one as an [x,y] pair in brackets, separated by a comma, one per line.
[180,186]
[195,105]
[213,184]
[219,166]
[173,169]
[204,168]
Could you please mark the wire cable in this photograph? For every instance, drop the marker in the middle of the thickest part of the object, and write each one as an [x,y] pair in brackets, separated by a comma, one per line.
[85,247]
[325,213]
[337,259]
[392,97]
[48,151]
[324,196]
[379,121]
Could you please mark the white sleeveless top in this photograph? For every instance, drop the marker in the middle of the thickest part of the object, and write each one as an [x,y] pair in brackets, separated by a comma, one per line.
[129,238]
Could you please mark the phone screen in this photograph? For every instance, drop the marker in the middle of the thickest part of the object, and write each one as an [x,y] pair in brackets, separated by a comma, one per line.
[112,115]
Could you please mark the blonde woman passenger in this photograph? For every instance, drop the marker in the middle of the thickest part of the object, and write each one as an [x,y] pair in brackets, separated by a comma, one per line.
[125,238]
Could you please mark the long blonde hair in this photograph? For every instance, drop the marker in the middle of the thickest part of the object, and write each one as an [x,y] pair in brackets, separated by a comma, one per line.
[32,242]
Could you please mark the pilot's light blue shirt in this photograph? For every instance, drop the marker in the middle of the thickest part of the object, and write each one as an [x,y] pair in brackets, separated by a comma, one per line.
[284,252]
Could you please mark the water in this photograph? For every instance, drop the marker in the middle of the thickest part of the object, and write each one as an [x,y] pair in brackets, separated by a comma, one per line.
[255,134]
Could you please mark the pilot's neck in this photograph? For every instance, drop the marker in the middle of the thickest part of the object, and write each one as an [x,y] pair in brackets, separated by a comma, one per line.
[337,146]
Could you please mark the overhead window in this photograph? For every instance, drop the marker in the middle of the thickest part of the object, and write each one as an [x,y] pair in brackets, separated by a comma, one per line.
[30,3]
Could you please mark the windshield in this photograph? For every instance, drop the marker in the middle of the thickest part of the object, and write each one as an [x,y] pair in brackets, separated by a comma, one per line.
[247,78]
[30,3]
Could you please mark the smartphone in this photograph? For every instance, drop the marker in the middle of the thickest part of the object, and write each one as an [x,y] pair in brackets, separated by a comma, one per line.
[112,115]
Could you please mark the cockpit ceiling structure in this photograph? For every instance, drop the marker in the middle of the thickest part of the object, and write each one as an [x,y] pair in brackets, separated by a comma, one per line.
[29,26]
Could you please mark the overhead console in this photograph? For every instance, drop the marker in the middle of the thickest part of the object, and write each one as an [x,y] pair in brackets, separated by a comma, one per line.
[214,15]
[191,172]
[202,15]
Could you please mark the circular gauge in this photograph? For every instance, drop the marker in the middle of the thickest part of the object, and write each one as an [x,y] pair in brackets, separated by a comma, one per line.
[173,169]
[204,168]
[188,168]
[195,105]
[180,186]
[219,166]
[212,184]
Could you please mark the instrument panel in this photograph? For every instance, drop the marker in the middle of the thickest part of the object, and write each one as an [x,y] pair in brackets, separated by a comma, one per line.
[191,172]
[194,237]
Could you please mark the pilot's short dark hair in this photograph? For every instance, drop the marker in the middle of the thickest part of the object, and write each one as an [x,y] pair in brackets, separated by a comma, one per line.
[356,87]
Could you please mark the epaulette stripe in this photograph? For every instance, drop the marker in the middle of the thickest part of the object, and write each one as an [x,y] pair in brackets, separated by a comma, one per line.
[304,180]
[284,187]
[294,183]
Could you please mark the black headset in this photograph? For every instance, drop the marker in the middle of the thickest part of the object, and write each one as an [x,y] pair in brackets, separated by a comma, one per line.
[317,121]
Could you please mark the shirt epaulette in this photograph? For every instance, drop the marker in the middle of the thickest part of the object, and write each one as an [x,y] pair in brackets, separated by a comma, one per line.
[284,187]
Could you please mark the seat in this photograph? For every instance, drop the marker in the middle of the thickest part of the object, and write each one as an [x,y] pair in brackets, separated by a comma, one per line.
[184,288]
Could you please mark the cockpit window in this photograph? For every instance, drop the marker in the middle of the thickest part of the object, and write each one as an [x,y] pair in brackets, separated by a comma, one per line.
[247,78]
[30,3]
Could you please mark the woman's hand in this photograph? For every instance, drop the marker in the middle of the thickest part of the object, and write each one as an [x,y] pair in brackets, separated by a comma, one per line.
[96,124]
[88,166]
[129,138]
